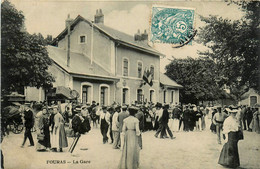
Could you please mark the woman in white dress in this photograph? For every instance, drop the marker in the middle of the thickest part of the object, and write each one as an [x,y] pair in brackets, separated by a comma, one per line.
[229,156]
[130,154]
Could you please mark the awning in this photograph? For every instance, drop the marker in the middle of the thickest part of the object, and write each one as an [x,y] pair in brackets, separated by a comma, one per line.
[15,97]
[62,92]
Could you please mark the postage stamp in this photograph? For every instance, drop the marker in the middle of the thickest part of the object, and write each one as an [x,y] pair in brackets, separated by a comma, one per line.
[172,25]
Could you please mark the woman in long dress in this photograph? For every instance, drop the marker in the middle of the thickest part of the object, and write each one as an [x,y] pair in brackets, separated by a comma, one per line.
[229,156]
[131,148]
[59,138]
[42,128]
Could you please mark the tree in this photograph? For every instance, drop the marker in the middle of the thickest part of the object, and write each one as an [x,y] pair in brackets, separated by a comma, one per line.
[198,77]
[24,57]
[234,45]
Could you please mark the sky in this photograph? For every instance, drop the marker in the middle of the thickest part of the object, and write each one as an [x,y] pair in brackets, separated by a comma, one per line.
[48,18]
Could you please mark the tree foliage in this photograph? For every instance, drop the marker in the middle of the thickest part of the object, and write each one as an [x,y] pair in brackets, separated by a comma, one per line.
[24,57]
[235,46]
[198,77]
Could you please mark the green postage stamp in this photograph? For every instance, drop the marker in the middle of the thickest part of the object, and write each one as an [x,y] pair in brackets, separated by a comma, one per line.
[172,25]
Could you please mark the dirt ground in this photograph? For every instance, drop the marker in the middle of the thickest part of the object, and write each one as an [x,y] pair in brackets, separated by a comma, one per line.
[190,150]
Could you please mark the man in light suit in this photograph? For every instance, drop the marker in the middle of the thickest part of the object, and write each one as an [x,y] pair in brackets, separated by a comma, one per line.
[121,116]
[115,127]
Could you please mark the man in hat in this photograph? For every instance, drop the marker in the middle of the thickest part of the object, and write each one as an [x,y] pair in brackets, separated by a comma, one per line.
[158,114]
[111,111]
[29,123]
[92,110]
[186,118]
[163,121]
[218,120]
[121,116]
[115,127]
[104,123]
[140,116]
[176,112]
[97,110]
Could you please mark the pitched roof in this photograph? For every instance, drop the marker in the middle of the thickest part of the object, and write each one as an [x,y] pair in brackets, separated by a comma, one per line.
[115,35]
[80,64]
[165,80]
[251,91]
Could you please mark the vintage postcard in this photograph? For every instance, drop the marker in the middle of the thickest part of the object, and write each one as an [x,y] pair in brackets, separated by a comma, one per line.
[129,84]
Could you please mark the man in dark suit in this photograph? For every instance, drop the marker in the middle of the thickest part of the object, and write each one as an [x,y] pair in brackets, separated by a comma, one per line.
[164,124]
[186,118]
[29,123]
[140,116]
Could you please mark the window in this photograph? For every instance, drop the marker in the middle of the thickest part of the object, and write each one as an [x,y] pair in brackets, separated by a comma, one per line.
[139,69]
[85,94]
[104,95]
[82,39]
[164,96]
[125,98]
[140,95]
[125,67]
[172,97]
[152,71]
[253,100]
[152,96]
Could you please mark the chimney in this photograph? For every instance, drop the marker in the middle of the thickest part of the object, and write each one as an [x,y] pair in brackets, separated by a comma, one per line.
[138,36]
[68,23]
[99,17]
[145,36]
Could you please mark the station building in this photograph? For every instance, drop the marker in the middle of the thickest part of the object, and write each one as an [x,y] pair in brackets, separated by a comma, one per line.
[105,65]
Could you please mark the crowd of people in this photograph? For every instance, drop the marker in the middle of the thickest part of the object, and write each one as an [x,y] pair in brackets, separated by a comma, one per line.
[123,125]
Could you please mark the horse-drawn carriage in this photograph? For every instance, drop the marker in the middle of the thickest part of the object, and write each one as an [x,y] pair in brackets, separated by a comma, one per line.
[11,116]
[10,113]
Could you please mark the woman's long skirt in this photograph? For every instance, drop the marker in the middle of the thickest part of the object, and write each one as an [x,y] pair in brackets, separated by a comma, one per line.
[130,154]
[59,140]
[229,156]
[170,124]
[176,123]
[44,144]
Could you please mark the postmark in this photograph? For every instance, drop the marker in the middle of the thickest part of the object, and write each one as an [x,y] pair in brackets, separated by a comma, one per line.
[172,25]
